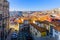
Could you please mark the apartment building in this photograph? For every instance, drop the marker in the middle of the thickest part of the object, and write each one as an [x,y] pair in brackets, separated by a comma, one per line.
[37,32]
[56,33]
[56,30]
[4,16]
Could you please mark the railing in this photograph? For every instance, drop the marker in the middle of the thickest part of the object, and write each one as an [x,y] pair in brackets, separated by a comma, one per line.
[6,4]
[5,17]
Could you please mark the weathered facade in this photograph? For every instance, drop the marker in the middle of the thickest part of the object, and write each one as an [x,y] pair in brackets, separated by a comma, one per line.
[4,16]
[37,32]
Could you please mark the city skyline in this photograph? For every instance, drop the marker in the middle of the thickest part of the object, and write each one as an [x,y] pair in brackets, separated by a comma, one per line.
[33,5]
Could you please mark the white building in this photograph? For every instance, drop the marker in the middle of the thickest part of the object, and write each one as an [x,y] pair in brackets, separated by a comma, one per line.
[56,33]
[37,32]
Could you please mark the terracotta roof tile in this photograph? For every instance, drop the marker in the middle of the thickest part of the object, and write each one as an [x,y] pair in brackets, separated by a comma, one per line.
[57,28]
[45,22]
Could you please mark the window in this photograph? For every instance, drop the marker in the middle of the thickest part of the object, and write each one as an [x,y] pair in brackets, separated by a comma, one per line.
[56,37]
[5,0]
[36,34]
[0,4]
[30,28]
[0,16]
[56,31]
[0,24]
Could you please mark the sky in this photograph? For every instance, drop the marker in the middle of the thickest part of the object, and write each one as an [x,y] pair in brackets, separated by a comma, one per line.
[33,5]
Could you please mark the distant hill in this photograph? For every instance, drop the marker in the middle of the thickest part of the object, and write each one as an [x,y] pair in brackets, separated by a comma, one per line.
[15,13]
[20,13]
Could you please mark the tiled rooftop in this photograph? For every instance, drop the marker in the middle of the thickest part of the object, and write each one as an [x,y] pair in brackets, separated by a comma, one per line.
[38,28]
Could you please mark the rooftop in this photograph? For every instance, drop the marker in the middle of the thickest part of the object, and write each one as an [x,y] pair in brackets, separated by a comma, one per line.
[38,28]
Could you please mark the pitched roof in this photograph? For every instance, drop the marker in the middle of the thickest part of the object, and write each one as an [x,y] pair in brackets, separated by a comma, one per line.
[57,28]
[38,28]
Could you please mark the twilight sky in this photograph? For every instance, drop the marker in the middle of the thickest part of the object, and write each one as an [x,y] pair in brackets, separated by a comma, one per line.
[33,5]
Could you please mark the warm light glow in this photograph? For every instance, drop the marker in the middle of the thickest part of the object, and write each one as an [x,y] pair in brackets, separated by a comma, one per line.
[17,27]
[33,21]
[19,20]
[22,20]
[45,17]
[14,26]
[33,18]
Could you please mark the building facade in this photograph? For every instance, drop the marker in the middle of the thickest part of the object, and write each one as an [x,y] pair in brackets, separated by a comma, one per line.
[4,16]
[37,32]
[56,33]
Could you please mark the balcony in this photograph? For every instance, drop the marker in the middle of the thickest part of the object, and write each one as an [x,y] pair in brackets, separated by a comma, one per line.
[0,16]
[0,19]
[5,17]
[6,4]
